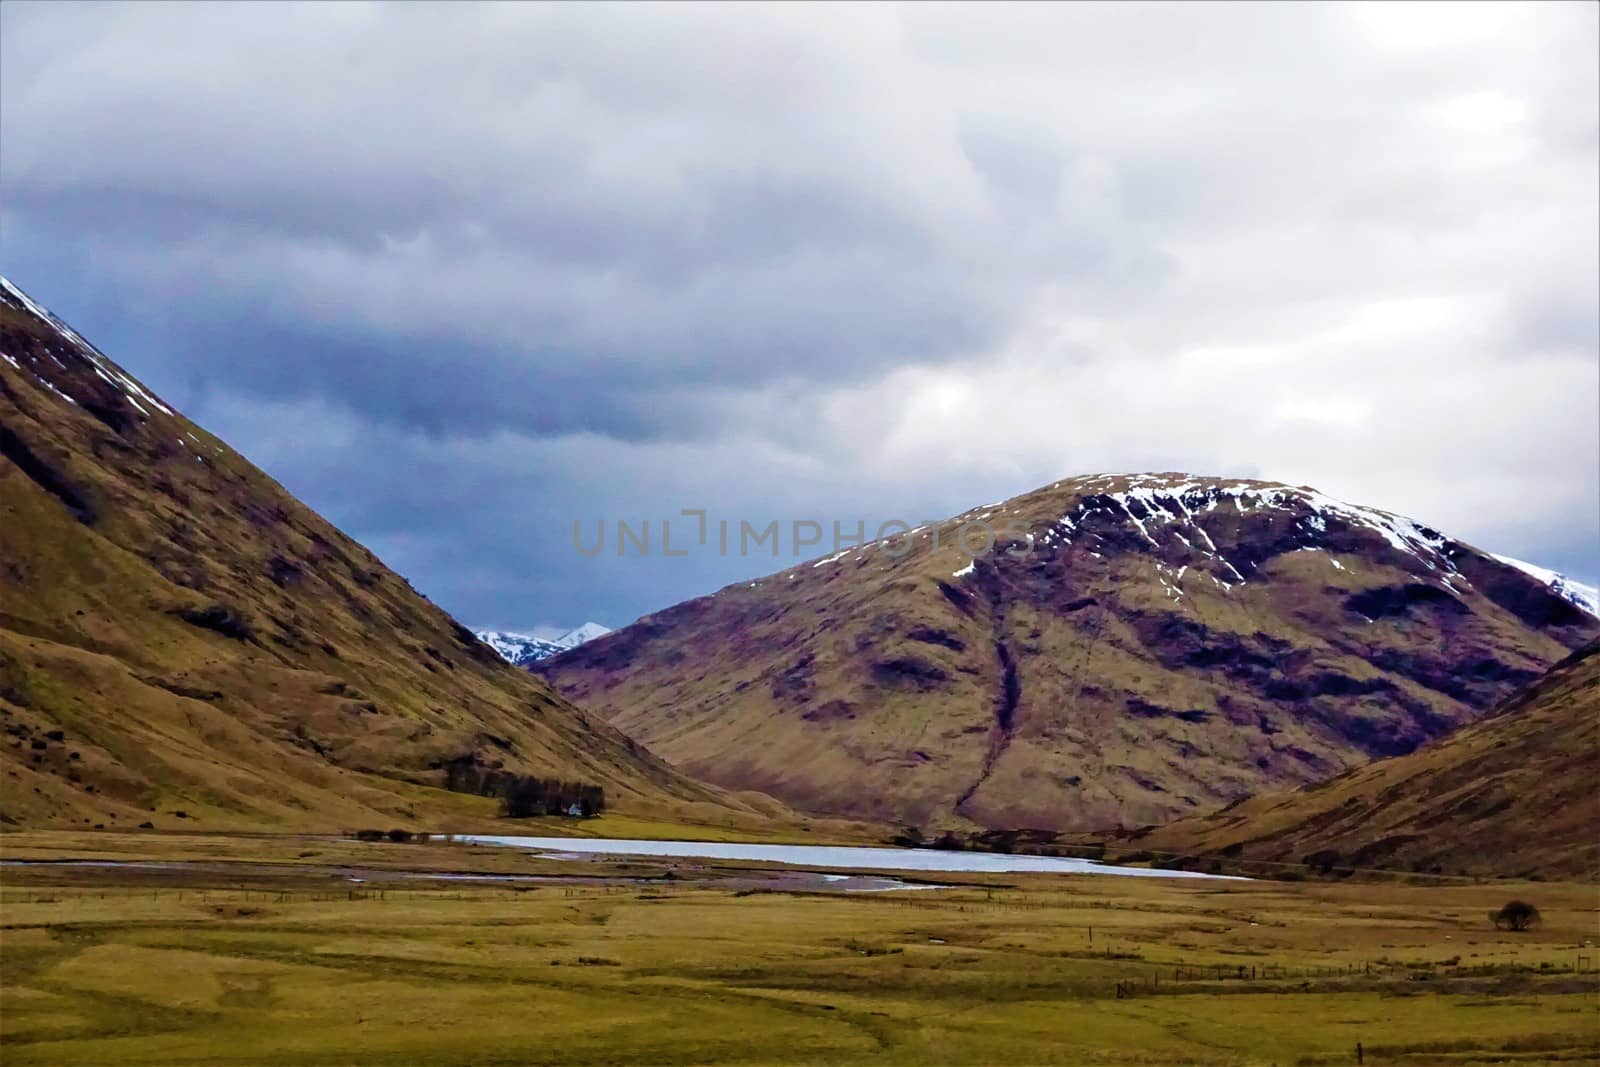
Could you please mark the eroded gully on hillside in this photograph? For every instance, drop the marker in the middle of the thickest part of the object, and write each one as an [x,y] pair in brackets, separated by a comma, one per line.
[1009,691]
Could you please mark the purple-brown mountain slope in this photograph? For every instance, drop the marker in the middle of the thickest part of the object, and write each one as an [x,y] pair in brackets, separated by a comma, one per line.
[1150,646]
[1513,794]
[180,634]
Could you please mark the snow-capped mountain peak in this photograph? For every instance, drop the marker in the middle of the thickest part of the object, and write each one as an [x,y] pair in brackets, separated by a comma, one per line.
[523,649]
[587,632]
[1174,640]
[515,647]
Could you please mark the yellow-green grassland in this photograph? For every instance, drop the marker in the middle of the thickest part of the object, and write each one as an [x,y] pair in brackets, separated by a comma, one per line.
[267,950]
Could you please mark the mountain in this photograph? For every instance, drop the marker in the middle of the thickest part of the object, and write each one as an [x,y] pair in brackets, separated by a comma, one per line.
[523,649]
[1513,794]
[517,649]
[180,634]
[1584,596]
[575,637]
[1136,648]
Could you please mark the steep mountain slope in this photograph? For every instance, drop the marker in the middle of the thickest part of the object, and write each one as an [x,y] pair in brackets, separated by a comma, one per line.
[1584,596]
[1513,794]
[178,633]
[523,649]
[1141,647]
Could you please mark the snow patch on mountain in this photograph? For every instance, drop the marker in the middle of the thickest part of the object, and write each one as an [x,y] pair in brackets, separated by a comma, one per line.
[137,395]
[1151,500]
[1584,596]
[517,648]
[523,649]
[1158,505]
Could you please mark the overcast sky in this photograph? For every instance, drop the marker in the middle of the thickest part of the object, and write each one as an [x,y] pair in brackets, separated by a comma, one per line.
[460,275]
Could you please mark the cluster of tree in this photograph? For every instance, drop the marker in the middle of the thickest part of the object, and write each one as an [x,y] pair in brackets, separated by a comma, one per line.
[397,836]
[1516,915]
[913,837]
[523,796]
[1026,842]
[1328,862]
[465,776]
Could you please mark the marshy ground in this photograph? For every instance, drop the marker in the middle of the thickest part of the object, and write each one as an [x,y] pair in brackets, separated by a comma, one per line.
[263,950]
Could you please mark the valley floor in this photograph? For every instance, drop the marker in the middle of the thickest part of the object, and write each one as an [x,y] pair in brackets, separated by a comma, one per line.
[264,951]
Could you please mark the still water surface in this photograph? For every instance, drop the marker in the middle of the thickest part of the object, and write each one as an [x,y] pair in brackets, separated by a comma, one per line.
[842,856]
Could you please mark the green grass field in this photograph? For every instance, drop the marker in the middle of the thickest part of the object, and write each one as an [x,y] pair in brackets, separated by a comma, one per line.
[105,967]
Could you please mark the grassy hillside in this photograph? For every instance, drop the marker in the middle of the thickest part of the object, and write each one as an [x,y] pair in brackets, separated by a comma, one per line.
[1513,794]
[178,634]
[1143,647]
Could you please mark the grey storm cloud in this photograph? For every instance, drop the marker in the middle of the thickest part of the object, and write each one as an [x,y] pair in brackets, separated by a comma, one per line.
[460,274]
[670,196]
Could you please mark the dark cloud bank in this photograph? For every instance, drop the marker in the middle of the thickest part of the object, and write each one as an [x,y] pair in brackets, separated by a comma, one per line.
[459,276]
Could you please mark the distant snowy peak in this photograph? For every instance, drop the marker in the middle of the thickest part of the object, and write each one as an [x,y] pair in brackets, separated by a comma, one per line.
[517,648]
[1584,596]
[523,649]
[587,632]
